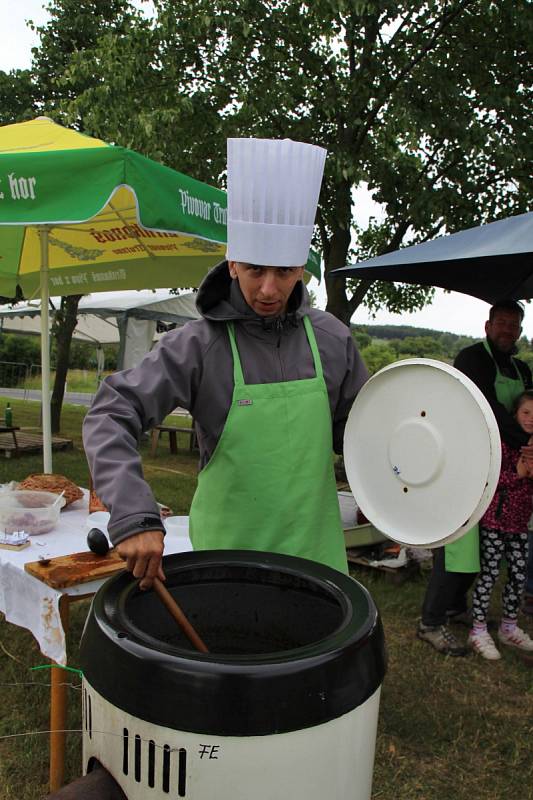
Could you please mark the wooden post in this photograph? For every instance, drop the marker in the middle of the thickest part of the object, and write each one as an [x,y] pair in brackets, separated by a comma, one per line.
[155,439]
[58,711]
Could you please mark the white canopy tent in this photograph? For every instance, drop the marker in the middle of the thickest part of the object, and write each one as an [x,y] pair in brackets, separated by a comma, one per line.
[129,318]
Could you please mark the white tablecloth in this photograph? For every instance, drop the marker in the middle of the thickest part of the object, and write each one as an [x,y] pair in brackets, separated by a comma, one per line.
[30,603]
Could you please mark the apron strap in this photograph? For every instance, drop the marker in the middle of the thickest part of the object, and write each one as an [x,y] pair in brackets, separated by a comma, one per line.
[498,370]
[238,377]
[314,347]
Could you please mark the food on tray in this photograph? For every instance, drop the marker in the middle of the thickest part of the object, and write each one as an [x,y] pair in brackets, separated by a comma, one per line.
[95,504]
[53,483]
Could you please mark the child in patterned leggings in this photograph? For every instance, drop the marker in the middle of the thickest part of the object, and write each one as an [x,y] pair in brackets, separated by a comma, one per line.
[504,532]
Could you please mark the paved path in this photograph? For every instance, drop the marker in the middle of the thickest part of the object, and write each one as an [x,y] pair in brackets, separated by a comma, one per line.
[76,398]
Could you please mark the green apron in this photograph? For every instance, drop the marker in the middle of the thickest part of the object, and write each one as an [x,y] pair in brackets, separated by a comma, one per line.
[270,484]
[463,555]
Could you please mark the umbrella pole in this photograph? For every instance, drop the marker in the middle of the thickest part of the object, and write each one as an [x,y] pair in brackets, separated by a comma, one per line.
[45,352]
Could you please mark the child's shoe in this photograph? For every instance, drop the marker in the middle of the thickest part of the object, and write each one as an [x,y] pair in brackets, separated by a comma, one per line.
[439,637]
[517,638]
[482,643]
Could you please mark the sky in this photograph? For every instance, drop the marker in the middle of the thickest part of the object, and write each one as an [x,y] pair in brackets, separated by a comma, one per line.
[453,312]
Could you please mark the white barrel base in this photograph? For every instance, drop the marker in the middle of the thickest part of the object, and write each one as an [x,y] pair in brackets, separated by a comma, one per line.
[332,760]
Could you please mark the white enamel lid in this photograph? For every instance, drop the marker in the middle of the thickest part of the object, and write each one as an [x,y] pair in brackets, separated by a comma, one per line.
[422,452]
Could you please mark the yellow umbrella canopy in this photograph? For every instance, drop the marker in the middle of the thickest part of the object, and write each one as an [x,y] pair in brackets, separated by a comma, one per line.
[116,219]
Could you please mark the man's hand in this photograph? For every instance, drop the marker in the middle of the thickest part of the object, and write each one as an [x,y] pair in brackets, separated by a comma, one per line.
[142,553]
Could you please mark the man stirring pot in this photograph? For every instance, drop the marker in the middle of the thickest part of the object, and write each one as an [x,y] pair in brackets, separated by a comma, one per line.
[268,379]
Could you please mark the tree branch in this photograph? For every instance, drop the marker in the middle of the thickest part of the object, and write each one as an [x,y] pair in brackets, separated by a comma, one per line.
[359,295]
[407,70]
[323,234]
[364,285]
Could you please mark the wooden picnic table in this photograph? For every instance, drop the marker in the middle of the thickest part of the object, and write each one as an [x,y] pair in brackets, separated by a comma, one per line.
[173,431]
[26,440]
[11,429]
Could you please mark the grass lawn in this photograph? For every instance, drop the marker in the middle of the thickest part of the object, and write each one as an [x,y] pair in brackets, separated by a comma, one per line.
[78,380]
[449,729]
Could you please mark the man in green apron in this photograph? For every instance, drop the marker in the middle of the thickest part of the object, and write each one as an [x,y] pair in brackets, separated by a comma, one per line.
[268,380]
[502,377]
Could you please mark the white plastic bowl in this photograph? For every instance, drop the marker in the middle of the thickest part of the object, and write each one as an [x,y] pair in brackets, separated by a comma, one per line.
[98,519]
[30,511]
[178,528]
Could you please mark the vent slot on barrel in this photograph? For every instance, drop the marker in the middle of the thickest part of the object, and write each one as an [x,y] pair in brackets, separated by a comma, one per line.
[182,772]
[137,761]
[125,746]
[90,716]
[166,769]
[151,763]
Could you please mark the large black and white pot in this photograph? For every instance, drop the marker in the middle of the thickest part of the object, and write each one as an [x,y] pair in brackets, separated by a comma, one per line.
[284,705]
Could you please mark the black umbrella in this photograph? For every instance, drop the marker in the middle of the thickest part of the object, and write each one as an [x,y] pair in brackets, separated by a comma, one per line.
[492,262]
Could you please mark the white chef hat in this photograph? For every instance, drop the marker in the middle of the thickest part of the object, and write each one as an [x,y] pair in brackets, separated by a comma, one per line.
[273,189]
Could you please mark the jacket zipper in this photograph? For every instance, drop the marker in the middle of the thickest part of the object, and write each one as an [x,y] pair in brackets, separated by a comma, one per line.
[279,330]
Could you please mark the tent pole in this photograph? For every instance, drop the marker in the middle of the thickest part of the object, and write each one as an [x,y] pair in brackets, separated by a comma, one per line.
[45,351]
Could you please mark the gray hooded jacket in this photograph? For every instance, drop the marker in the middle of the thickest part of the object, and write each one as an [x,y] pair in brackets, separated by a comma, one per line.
[192,367]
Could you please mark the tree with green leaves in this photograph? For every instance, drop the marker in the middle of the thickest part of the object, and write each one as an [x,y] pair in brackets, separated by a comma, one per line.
[428,104]
[378,355]
[74,26]
[17,96]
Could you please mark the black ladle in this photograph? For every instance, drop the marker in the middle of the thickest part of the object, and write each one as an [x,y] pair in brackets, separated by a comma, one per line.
[97,542]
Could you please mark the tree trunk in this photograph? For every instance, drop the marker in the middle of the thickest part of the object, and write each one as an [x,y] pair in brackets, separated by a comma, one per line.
[336,238]
[63,328]
[338,304]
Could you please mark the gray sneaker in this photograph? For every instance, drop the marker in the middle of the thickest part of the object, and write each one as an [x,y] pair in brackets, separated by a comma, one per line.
[443,640]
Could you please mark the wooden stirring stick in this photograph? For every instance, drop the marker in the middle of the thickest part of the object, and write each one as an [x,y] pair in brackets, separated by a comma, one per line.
[174,609]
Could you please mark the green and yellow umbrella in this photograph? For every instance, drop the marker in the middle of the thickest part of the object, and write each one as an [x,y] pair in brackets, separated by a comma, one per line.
[78,215]
[116,219]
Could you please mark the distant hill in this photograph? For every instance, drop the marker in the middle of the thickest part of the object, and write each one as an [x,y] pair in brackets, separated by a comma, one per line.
[403,331]
[380,345]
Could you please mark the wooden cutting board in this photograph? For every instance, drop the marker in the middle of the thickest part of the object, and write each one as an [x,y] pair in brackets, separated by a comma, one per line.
[64,571]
